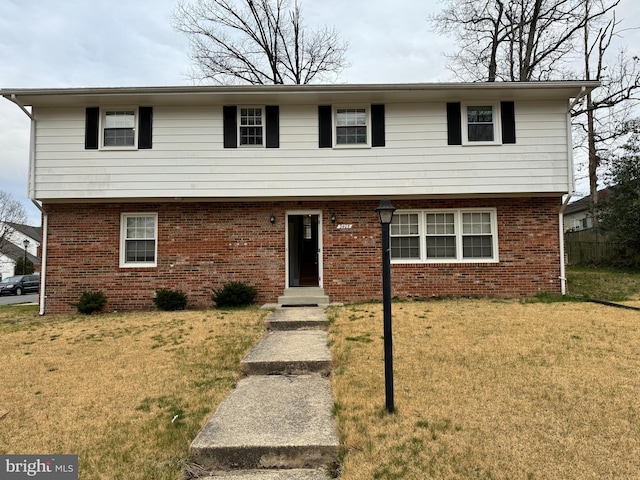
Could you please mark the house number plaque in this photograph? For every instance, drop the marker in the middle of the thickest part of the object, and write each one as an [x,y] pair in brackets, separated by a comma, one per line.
[344,226]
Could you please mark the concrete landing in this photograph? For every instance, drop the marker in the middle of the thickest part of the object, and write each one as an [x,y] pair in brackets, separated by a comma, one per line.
[304,296]
[271,422]
[290,353]
[293,318]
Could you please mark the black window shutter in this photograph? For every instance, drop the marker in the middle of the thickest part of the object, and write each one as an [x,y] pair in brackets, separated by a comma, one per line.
[229,113]
[146,127]
[454,124]
[325,138]
[377,126]
[272,114]
[91,128]
[508,122]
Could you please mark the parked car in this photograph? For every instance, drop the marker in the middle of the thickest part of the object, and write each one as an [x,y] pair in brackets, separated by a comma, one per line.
[19,284]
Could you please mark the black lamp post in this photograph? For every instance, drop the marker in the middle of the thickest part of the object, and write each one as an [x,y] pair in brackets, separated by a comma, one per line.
[385,214]
[25,242]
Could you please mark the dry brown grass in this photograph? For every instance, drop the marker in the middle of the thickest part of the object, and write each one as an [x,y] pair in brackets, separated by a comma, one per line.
[489,390]
[107,387]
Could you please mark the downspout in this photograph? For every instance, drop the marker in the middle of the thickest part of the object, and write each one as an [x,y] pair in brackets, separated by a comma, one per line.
[563,268]
[43,260]
[572,189]
[31,194]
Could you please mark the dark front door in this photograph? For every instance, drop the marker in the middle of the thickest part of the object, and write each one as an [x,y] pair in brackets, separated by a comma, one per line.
[303,251]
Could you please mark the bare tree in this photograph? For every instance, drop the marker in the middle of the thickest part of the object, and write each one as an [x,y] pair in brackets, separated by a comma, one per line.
[609,113]
[11,211]
[257,42]
[516,40]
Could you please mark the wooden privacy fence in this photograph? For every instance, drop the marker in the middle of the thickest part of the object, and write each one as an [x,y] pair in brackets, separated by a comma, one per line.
[589,247]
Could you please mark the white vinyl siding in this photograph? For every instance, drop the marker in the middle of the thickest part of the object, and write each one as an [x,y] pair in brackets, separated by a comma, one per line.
[444,236]
[188,159]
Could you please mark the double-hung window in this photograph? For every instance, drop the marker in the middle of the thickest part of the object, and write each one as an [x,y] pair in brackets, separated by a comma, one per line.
[123,128]
[119,128]
[139,240]
[480,123]
[351,126]
[251,124]
[444,236]
[405,236]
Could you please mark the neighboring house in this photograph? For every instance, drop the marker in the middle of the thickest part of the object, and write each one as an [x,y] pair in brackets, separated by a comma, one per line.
[578,215]
[13,248]
[193,187]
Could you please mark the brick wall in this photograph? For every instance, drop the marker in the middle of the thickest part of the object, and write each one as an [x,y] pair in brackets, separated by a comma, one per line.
[202,246]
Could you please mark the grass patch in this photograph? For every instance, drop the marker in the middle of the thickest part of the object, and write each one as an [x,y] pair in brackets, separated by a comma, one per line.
[603,284]
[489,390]
[126,392]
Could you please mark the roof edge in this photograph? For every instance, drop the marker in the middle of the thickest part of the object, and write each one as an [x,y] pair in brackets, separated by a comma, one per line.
[311,88]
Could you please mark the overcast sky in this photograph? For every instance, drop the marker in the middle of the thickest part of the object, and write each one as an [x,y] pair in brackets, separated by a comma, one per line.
[109,43]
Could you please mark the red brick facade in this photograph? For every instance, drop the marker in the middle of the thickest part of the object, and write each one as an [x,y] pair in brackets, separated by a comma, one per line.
[202,246]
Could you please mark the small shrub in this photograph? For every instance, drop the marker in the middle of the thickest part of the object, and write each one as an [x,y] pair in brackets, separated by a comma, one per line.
[170,300]
[235,294]
[91,302]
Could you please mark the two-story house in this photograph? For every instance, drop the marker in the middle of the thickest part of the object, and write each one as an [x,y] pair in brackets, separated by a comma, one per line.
[193,187]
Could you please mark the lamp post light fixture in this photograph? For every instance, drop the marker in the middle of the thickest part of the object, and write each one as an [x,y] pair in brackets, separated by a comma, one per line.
[24,265]
[385,214]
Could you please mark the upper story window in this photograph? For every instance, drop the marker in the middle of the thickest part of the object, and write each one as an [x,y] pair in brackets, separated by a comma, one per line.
[351,126]
[119,128]
[251,126]
[444,236]
[481,123]
[138,239]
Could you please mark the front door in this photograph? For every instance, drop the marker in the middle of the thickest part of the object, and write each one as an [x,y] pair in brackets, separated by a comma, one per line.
[304,257]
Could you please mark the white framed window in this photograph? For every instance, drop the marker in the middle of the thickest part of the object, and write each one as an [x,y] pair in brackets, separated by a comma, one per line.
[481,123]
[352,126]
[444,236]
[251,126]
[119,127]
[405,236]
[139,240]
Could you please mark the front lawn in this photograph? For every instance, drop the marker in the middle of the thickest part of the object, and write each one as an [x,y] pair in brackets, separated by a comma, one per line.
[126,392]
[489,390]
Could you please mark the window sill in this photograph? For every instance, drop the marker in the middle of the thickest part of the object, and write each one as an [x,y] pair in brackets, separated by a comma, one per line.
[356,146]
[138,265]
[445,262]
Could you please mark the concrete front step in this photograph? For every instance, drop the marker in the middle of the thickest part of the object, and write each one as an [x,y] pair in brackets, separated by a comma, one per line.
[271,422]
[289,352]
[303,296]
[296,474]
[296,318]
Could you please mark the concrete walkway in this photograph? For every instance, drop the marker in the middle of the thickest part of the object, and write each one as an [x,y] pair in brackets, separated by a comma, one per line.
[277,424]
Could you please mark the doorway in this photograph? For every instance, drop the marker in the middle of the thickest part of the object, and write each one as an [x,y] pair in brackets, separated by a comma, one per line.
[304,249]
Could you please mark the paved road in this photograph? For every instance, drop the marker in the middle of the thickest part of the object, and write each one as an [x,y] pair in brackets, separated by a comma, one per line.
[8,299]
